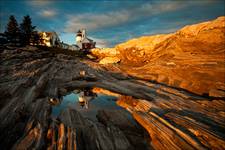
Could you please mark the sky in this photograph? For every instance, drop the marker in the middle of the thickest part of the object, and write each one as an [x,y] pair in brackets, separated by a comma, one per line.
[110,22]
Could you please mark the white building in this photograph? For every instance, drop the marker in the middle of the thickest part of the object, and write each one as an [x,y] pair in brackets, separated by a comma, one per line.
[74,47]
[49,39]
[83,42]
[64,45]
[69,47]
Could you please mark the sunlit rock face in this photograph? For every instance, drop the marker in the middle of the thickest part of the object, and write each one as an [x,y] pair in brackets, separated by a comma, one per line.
[204,38]
[109,60]
[106,55]
[103,52]
[191,58]
[173,123]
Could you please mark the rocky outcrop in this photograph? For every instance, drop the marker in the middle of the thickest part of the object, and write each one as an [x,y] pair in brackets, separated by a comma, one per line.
[72,131]
[191,58]
[134,133]
[106,55]
[109,60]
[178,122]
[104,52]
[29,81]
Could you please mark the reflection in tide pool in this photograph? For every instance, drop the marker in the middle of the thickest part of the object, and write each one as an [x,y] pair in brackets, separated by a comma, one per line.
[99,101]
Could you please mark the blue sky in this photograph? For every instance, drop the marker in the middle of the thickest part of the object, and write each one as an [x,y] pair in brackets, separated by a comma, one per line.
[110,22]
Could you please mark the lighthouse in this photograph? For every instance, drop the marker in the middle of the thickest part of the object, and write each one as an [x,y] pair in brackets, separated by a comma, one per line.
[79,36]
[83,42]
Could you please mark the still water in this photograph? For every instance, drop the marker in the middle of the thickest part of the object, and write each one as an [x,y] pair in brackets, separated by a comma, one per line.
[100,101]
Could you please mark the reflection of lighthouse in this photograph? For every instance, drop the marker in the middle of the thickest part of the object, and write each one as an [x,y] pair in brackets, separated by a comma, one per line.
[83,100]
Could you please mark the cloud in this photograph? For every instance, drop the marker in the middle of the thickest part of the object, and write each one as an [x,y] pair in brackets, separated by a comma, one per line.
[47,13]
[101,43]
[42,7]
[39,3]
[96,21]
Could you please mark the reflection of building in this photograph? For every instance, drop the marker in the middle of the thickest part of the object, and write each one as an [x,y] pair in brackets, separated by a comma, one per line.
[54,101]
[83,42]
[83,100]
[85,97]
[49,39]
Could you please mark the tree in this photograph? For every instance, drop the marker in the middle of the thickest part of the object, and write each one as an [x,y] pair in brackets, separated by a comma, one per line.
[12,30]
[26,30]
[35,38]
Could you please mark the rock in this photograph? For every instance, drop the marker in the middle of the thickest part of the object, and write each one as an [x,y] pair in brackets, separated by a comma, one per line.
[189,55]
[109,60]
[31,48]
[72,118]
[122,119]
[98,137]
[104,91]
[174,124]
[36,128]
[106,55]
[120,140]
[170,64]
[91,135]
[91,57]
[31,139]
[101,53]
[194,30]
[52,91]
[217,93]
[82,73]
[119,118]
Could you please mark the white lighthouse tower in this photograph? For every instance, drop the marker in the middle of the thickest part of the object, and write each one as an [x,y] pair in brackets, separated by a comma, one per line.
[83,34]
[79,36]
[82,41]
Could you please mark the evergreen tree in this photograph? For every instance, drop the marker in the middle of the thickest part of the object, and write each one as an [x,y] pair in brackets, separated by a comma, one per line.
[35,38]
[12,30]
[26,30]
